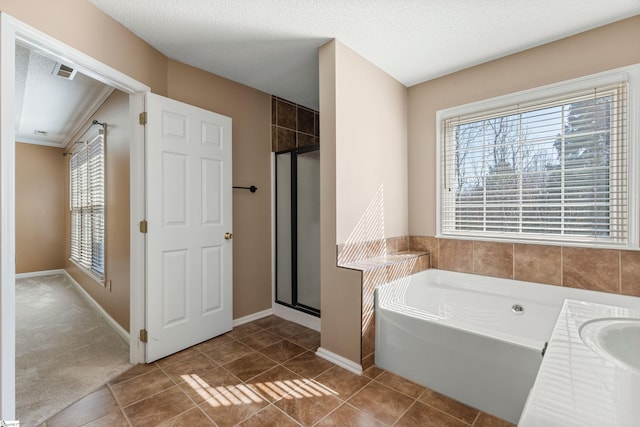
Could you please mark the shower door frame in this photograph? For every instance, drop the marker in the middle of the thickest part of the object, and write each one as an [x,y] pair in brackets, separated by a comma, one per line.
[294,231]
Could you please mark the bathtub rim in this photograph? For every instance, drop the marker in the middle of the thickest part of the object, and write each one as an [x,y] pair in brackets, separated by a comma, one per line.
[530,293]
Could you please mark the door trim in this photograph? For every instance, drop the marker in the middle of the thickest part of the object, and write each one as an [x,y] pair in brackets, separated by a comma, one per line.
[12,30]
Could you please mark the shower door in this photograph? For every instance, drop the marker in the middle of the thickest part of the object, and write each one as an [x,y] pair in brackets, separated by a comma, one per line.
[298,229]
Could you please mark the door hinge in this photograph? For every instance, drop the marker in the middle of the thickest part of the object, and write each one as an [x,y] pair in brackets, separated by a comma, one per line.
[143,226]
[143,335]
[143,118]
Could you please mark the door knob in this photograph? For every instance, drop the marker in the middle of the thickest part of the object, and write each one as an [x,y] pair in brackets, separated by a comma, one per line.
[228,236]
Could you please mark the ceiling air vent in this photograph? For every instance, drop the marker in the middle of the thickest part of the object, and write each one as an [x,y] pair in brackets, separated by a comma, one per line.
[64,71]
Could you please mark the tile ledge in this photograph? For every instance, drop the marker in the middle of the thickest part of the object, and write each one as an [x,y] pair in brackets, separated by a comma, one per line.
[385,261]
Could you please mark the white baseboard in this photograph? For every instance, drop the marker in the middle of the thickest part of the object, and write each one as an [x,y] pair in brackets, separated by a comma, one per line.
[304,319]
[115,325]
[251,317]
[39,273]
[339,360]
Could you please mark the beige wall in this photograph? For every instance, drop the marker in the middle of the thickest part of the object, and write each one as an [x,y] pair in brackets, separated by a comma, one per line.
[363,179]
[84,27]
[40,207]
[371,151]
[114,297]
[601,49]
[340,288]
[251,113]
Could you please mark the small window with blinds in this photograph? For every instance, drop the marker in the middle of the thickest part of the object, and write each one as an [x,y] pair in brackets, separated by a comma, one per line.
[555,168]
[87,204]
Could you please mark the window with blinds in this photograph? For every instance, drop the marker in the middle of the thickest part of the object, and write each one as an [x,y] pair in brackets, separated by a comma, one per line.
[87,204]
[551,169]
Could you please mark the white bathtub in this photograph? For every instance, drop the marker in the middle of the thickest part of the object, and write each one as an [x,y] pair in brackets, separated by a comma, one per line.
[457,333]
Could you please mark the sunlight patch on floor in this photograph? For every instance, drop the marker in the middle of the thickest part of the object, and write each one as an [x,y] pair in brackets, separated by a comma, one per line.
[244,394]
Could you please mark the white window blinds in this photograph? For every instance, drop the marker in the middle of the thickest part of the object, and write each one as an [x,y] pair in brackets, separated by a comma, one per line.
[87,204]
[555,169]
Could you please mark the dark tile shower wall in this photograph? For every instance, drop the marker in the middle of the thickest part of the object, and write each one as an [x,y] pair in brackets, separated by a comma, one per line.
[292,125]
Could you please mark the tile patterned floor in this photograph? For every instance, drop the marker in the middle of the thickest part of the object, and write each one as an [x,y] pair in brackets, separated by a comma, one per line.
[264,373]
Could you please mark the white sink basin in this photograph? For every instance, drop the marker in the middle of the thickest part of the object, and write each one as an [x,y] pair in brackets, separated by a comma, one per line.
[616,339]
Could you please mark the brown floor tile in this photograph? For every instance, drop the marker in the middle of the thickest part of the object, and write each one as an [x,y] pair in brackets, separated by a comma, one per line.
[260,340]
[139,369]
[425,416]
[342,381]
[244,330]
[204,385]
[303,390]
[194,364]
[159,408]
[486,420]
[347,415]
[269,417]
[250,366]
[307,405]
[214,342]
[269,321]
[141,387]
[282,351]
[309,339]
[92,407]
[231,408]
[373,372]
[308,365]
[177,357]
[400,384]
[192,418]
[381,402]
[449,405]
[288,329]
[275,383]
[227,351]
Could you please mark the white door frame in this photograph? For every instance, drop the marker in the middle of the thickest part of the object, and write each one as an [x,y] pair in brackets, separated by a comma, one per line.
[12,30]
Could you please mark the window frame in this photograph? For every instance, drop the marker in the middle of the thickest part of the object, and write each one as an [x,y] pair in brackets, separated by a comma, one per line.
[87,269]
[628,74]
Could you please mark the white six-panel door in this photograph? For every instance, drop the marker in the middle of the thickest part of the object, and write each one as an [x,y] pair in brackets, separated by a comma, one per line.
[189,263]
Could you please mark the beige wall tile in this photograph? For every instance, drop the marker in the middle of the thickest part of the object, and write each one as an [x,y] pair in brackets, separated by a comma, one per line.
[594,269]
[369,335]
[538,263]
[493,259]
[456,255]
[425,244]
[397,244]
[630,272]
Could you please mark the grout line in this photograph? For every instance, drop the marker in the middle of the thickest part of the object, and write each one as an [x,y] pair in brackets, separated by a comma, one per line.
[113,395]
[513,261]
[342,403]
[404,412]
[476,419]
[620,272]
[561,266]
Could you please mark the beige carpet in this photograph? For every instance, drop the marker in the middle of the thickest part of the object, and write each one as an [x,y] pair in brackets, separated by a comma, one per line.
[64,348]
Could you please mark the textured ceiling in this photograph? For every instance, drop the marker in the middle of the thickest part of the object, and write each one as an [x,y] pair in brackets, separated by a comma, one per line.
[50,110]
[271,45]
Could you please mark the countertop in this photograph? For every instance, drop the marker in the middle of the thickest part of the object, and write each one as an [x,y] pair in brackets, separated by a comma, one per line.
[577,387]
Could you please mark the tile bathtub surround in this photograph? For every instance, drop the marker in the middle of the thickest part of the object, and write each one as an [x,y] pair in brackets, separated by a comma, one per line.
[605,270]
[292,125]
[493,259]
[537,263]
[355,252]
[379,261]
[281,384]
